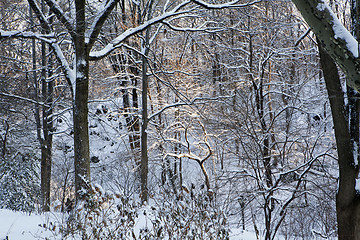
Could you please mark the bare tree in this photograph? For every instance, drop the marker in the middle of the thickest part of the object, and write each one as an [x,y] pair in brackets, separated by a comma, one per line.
[342,47]
[83,36]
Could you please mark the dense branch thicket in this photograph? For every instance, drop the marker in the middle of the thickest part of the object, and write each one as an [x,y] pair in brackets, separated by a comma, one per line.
[237,131]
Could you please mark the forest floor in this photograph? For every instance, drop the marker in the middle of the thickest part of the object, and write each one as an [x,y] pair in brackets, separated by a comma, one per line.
[22,226]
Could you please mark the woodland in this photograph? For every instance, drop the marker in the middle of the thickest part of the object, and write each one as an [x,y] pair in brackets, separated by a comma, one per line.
[210,115]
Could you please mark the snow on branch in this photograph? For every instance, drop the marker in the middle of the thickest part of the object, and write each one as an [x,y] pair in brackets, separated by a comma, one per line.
[340,31]
[233,4]
[114,44]
[99,21]
[23,99]
[56,9]
[48,38]
[334,37]
[69,72]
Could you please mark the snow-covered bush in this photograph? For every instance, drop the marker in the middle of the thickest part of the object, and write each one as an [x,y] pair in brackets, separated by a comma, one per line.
[104,216]
[193,216]
[19,182]
[114,216]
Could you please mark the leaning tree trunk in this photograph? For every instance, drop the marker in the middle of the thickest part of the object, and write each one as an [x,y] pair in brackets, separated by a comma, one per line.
[333,38]
[353,95]
[339,46]
[347,200]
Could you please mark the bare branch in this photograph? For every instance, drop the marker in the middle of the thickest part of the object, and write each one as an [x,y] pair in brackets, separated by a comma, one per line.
[197,100]
[99,21]
[302,37]
[132,31]
[44,23]
[61,16]
[23,99]
[48,38]
[232,4]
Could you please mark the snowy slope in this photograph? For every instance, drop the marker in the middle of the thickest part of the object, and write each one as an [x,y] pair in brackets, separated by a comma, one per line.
[22,226]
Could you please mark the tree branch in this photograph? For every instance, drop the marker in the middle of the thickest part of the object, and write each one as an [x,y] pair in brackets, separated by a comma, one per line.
[99,21]
[44,23]
[48,38]
[23,99]
[61,16]
[334,37]
[132,31]
[232,4]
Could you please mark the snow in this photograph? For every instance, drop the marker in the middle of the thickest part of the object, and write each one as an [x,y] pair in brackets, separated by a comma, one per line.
[240,234]
[321,6]
[70,74]
[19,225]
[225,5]
[44,37]
[116,43]
[355,153]
[357,185]
[340,31]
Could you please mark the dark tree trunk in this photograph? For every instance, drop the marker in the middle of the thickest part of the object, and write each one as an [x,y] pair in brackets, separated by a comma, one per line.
[43,128]
[46,148]
[47,125]
[80,108]
[347,200]
[144,123]
[353,95]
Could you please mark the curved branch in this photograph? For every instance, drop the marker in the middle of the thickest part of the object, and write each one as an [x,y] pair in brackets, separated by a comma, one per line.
[132,31]
[99,21]
[334,37]
[61,16]
[44,23]
[233,4]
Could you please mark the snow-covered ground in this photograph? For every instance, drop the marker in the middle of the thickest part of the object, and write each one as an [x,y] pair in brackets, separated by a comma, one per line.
[22,226]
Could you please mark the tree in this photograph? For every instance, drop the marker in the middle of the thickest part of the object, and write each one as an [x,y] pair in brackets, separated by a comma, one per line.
[342,47]
[76,69]
[44,124]
[267,126]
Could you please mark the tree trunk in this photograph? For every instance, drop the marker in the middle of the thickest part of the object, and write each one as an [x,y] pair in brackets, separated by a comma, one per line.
[80,108]
[353,95]
[347,200]
[43,128]
[322,23]
[47,125]
[144,123]
[46,144]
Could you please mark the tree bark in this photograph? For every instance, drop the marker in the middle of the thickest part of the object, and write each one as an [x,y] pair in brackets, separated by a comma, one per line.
[43,128]
[46,148]
[144,123]
[322,22]
[80,108]
[47,125]
[353,95]
[347,200]
[338,47]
